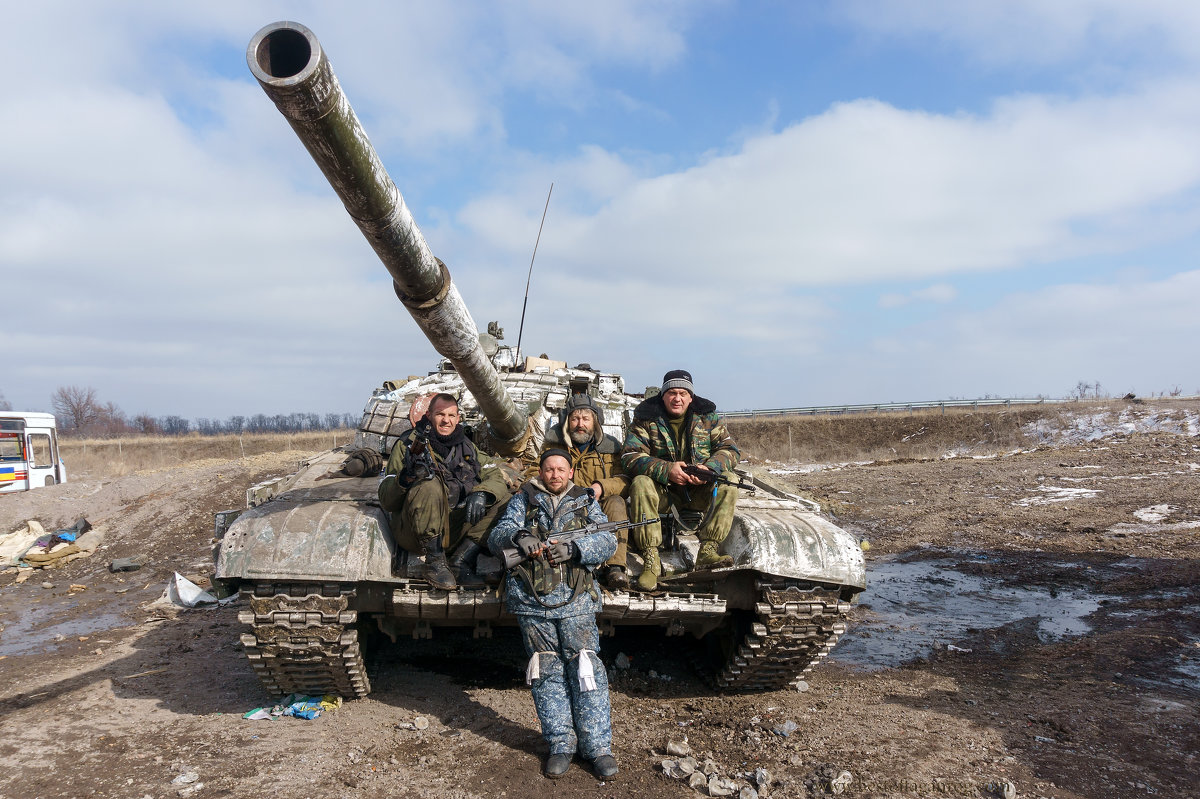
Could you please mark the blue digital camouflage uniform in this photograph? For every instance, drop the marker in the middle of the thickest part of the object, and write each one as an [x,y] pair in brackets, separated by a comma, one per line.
[568,680]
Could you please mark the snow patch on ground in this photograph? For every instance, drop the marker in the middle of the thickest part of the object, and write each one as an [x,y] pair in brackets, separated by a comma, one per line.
[1103,424]
[1052,494]
[1154,513]
[817,467]
[1127,527]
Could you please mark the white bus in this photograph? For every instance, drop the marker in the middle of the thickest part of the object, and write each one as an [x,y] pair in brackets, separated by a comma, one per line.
[29,452]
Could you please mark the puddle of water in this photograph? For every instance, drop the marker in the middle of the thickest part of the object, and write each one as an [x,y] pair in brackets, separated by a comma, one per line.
[44,626]
[914,606]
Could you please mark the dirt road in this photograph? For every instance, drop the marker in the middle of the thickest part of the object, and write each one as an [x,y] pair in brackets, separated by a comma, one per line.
[1032,618]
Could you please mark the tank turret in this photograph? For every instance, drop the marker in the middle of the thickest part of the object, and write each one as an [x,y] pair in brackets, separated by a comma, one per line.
[294,71]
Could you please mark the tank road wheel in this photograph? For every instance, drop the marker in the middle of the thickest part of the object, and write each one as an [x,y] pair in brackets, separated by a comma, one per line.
[303,639]
[792,628]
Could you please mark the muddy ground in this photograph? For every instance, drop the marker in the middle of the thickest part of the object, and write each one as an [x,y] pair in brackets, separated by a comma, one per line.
[1032,618]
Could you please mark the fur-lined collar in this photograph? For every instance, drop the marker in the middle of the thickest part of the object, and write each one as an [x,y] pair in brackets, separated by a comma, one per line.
[653,408]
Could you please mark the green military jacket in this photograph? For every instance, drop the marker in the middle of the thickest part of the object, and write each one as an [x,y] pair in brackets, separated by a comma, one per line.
[650,448]
[391,492]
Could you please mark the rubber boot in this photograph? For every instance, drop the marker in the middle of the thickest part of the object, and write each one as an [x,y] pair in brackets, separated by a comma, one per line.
[436,570]
[651,568]
[464,565]
[709,558]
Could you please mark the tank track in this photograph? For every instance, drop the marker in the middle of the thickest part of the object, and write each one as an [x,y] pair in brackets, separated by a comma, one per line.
[303,639]
[795,627]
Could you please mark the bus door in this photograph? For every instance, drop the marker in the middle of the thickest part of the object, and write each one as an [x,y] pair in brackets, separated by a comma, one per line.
[43,458]
[14,475]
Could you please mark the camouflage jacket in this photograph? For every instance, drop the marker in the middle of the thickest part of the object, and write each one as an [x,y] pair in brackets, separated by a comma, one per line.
[392,493]
[650,448]
[600,463]
[533,508]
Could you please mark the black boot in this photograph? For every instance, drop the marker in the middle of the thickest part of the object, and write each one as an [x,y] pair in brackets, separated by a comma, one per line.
[465,562]
[436,571]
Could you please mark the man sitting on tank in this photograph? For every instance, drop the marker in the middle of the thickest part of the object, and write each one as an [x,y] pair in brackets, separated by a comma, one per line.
[440,489]
[676,448]
[553,596]
[596,458]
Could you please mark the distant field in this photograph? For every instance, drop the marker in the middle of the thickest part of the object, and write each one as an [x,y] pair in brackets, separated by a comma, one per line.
[113,457]
[887,436]
[884,436]
[930,433]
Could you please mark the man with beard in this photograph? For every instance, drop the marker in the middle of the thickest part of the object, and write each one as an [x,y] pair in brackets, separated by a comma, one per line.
[553,596]
[596,459]
[676,447]
[439,489]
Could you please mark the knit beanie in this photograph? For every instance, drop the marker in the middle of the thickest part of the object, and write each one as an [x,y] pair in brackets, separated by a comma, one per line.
[678,378]
[562,453]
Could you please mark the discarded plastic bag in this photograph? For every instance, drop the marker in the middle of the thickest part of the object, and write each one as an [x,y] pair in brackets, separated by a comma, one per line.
[298,705]
[183,592]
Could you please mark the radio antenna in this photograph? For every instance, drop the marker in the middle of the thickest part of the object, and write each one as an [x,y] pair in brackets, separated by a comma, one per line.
[529,277]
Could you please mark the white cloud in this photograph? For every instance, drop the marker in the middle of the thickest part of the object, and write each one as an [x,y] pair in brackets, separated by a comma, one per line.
[937,293]
[1035,31]
[868,192]
[1135,336]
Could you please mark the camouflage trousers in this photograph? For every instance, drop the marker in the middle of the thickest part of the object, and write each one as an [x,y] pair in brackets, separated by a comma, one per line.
[427,513]
[614,508]
[574,717]
[648,499]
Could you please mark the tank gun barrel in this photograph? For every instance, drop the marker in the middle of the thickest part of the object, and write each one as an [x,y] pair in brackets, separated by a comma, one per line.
[294,71]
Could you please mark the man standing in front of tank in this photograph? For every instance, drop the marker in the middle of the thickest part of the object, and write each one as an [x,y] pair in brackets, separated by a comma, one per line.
[554,597]
[672,434]
[439,489]
[596,459]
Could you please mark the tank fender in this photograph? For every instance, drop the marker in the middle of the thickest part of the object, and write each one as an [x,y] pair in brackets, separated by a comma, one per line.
[786,539]
[285,540]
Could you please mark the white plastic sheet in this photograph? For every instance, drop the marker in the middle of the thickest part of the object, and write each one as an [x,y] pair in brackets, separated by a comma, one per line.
[183,592]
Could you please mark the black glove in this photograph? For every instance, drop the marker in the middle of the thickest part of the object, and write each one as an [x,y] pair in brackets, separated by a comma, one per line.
[528,543]
[476,506]
[363,463]
[561,552]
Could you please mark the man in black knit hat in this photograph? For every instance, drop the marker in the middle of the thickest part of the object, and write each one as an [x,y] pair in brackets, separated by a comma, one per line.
[672,430]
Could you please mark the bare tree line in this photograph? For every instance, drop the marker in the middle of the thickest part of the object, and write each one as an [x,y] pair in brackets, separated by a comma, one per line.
[80,412]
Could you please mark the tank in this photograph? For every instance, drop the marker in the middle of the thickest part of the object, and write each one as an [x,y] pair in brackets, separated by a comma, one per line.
[312,554]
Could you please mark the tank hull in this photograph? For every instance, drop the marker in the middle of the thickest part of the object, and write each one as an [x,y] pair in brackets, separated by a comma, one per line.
[314,557]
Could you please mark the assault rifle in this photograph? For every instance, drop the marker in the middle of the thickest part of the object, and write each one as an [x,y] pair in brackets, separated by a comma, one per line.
[707,475]
[418,463]
[511,556]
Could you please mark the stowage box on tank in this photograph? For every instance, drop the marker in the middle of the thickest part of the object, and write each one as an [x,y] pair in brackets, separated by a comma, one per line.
[313,556]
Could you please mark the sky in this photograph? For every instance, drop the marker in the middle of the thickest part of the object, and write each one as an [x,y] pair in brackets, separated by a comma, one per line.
[801,203]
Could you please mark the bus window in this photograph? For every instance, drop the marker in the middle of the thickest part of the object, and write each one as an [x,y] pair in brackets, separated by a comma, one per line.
[41,450]
[10,447]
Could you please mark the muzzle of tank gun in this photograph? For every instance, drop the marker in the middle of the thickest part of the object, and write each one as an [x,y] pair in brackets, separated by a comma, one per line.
[292,68]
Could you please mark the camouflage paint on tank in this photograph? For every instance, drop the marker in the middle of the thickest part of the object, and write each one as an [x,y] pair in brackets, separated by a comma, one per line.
[313,528]
[777,533]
